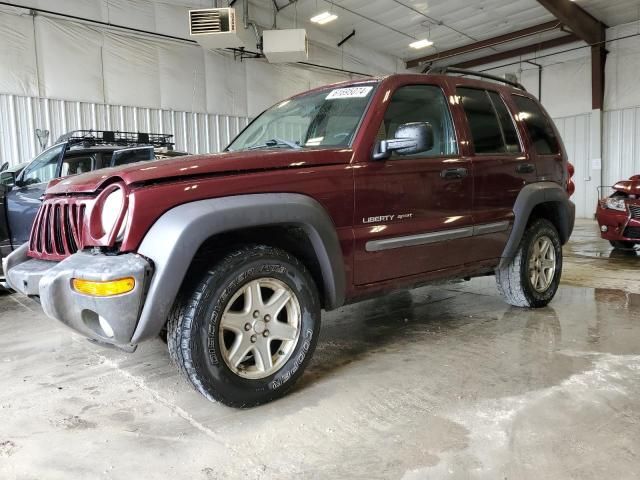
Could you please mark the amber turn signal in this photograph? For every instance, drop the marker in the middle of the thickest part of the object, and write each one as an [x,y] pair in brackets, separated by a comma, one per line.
[103,289]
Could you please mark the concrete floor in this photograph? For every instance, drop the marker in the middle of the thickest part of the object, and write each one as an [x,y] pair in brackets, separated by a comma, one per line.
[441,382]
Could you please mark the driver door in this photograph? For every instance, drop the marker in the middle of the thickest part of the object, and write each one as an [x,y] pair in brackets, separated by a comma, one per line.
[413,213]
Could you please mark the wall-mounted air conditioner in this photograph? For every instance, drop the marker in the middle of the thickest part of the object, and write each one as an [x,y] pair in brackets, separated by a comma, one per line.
[289,45]
[217,28]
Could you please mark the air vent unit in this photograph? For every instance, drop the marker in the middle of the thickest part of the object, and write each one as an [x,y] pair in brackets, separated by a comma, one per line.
[289,45]
[215,28]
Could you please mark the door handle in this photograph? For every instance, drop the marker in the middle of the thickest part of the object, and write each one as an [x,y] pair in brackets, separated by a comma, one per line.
[526,168]
[453,173]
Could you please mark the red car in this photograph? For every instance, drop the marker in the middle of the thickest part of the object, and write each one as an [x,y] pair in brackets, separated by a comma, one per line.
[619,214]
[343,193]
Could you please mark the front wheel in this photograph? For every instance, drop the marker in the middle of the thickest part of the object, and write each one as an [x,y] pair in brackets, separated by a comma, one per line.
[243,331]
[532,277]
[622,245]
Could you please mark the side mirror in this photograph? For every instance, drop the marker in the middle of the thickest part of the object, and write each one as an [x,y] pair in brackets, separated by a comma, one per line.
[8,179]
[410,138]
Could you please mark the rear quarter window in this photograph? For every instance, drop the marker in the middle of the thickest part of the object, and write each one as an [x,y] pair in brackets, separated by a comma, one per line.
[538,126]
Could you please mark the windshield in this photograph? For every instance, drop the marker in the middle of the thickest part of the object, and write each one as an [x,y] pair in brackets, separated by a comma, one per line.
[328,118]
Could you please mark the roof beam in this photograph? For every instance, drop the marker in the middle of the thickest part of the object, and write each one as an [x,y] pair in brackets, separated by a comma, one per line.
[592,31]
[516,52]
[582,23]
[490,42]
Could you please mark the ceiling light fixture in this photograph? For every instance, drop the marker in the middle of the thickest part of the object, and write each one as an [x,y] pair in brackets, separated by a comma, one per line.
[324,17]
[421,43]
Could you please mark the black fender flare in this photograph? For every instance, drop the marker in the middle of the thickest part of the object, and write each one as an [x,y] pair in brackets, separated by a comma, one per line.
[173,240]
[529,197]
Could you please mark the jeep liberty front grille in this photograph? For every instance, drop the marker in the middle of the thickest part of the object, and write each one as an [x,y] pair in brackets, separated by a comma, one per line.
[635,211]
[57,230]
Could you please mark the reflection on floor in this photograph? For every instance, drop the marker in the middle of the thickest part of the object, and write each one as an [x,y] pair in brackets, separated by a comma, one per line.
[441,382]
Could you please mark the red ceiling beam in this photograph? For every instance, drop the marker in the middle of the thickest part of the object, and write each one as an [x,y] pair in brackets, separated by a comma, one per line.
[577,19]
[490,42]
[516,52]
[592,31]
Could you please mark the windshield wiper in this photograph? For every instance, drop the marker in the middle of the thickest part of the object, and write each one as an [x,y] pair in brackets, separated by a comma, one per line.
[276,142]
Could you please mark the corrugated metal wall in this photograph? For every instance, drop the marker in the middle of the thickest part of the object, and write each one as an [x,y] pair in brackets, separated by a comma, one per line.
[576,132]
[620,153]
[21,116]
[621,144]
[203,133]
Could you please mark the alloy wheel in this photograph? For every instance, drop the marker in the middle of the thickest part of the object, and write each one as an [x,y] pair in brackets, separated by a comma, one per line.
[542,264]
[260,328]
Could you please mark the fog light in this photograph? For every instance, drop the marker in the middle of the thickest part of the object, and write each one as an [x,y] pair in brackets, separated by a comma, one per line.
[604,228]
[104,289]
[106,328]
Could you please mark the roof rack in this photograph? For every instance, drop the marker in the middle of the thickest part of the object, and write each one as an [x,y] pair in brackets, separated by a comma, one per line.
[110,137]
[471,73]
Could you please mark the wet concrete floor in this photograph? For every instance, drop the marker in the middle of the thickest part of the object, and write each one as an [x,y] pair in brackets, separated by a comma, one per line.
[441,382]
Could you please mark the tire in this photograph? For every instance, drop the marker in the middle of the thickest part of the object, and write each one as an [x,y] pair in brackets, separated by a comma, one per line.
[514,280]
[215,320]
[622,245]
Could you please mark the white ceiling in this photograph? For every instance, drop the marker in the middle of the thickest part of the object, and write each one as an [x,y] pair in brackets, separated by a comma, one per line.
[388,26]
[612,12]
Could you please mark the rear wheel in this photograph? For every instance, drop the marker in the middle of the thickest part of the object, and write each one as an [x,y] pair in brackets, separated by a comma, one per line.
[622,245]
[532,277]
[244,331]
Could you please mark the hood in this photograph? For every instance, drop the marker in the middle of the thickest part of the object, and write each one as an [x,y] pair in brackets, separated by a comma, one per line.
[630,187]
[227,163]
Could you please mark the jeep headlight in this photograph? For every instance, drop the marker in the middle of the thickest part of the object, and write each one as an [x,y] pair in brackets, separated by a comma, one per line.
[111,213]
[616,203]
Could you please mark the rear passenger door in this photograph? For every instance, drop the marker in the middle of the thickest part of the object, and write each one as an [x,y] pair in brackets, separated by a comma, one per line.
[500,169]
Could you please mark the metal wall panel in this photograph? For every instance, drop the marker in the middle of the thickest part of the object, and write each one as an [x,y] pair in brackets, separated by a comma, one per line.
[208,133]
[576,132]
[621,154]
[21,116]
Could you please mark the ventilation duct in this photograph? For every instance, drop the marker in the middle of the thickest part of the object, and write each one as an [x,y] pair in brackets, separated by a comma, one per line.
[217,28]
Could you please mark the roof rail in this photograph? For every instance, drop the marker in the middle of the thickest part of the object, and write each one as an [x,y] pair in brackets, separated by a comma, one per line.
[471,73]
[110,137]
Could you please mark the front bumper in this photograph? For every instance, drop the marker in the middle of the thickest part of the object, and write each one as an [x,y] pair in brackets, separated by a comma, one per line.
[51,282]
[620,226]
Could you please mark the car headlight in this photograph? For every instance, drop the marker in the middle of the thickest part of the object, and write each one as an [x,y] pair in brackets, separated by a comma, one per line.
[614,203]
[111,212]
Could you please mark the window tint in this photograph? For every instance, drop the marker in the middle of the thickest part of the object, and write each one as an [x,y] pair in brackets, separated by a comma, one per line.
[538,125]
[44,167]
[483,121]
[421,103]
[506,122]
[132,155]
[77,165]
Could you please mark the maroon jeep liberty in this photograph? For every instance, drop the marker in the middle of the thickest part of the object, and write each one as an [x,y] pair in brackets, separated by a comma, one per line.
[339,194]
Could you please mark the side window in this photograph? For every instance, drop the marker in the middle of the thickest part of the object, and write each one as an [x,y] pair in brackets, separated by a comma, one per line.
[44,167]
[538,125]
[132,155]
[506,122]
[483,121]
[421,103]
[77,165]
